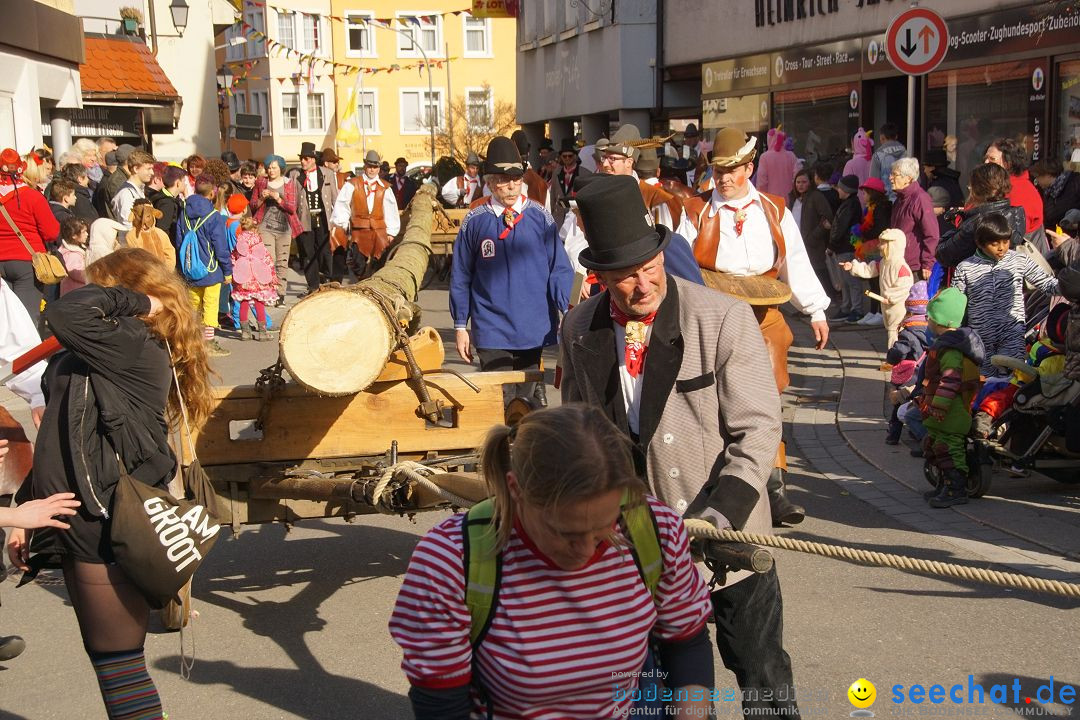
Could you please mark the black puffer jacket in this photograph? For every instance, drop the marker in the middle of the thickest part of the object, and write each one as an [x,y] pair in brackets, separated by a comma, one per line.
[105,397]
[960,244]
[847,215]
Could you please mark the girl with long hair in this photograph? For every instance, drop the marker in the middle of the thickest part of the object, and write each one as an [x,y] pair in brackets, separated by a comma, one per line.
[572,615]
[111,399]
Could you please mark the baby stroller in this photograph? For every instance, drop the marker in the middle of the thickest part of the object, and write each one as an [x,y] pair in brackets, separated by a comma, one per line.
[1041,429]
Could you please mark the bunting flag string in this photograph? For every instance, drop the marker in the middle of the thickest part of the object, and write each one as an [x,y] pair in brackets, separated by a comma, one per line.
[310,61]
[403,20]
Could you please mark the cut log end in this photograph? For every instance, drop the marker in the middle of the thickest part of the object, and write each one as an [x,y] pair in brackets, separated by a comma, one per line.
[336,342]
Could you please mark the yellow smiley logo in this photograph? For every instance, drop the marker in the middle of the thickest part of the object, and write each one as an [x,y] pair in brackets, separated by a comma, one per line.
[862,693]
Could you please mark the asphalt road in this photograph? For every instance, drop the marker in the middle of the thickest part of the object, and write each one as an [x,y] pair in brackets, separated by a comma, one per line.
[292,620]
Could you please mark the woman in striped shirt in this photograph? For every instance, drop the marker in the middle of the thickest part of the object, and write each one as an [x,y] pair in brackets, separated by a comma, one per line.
[573,621]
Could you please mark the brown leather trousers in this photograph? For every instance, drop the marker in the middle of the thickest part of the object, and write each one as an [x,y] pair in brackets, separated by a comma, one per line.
[778,338]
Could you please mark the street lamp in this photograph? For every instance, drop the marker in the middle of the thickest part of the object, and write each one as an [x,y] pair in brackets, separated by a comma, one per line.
[179,11]
[416,44]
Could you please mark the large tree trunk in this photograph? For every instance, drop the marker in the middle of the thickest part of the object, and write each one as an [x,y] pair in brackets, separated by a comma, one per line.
[338,340]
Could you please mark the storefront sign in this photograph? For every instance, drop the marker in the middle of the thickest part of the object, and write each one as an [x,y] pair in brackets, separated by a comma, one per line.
[494,8]
[747,73]
[1018,30]
[1037,110]
[749,113]
[818,62]
[776,12]
[98,121]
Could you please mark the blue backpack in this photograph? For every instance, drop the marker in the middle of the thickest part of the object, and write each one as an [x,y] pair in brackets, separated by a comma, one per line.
[191,262]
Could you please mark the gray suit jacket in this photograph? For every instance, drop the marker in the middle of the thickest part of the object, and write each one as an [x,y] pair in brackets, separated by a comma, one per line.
[329,197]
[709,420]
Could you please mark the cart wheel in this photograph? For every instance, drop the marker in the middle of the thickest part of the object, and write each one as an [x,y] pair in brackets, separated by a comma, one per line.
[932,474]
[979,477]
[175,614]
[980,468]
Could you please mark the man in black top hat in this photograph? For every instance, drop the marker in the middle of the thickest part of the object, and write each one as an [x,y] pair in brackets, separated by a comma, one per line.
[548,163]
[562,180]
[678,367]
[316,206]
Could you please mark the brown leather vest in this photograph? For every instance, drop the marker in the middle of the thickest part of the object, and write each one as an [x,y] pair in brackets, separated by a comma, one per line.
[537,188]
[708,239]
[655,196]
[369,228]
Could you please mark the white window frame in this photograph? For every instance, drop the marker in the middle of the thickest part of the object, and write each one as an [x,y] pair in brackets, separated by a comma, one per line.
[307,111]
[286,17]
[371,35]
[375,129]
[300,90]
[320,30]
[260,99]
[490,103]
[487,52]
[438,52]
[437,91]
[292,90]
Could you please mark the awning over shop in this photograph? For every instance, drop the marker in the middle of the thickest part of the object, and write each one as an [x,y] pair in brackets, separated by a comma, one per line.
[121,73]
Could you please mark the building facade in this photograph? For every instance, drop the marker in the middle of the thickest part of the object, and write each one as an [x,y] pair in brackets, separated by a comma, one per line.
[40,84]
[393,111]
[819,68]
[294,97]
[159,94]
[588,66]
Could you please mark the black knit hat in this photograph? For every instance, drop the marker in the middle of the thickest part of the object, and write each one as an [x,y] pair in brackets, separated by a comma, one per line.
[617,225]
[503,158]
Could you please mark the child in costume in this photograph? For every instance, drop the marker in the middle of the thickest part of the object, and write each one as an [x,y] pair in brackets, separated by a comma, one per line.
[895,277]
[993,280]
[145,233]
[904,355]
[254,281]
[951,380]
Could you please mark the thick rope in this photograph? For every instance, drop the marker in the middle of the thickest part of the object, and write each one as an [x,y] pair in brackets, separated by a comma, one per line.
[702,529]
[416,473]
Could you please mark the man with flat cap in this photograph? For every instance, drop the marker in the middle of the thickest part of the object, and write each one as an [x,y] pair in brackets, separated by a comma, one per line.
[678,368]
[748,244]
[365,215]
[621,155]
[511,278]
[462,190]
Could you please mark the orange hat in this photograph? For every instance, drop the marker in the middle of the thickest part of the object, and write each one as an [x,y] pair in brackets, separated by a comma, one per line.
[237,204]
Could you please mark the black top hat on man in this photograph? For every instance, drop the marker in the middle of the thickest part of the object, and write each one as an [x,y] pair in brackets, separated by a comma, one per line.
[617,224]
[503,158]
[307,150]
[568,145]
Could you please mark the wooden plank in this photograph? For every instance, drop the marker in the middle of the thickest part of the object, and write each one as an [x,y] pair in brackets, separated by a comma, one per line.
[303,425]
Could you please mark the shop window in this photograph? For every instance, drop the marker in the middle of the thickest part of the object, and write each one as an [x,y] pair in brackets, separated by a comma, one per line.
[817,121]
[977,105]
[315,112]
[1068,105]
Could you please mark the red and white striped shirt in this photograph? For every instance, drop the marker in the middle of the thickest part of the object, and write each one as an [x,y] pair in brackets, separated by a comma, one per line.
[561,642]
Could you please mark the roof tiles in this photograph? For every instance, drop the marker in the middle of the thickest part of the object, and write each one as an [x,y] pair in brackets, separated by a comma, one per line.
[121,68]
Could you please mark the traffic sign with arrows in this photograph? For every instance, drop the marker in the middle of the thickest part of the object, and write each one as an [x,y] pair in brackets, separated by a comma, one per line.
[917,41]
